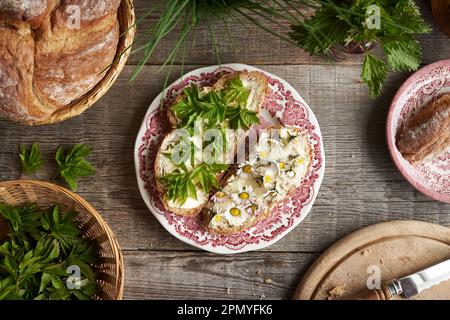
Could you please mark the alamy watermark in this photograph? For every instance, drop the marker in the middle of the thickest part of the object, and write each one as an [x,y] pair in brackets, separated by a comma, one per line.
[373,17]
[73,282]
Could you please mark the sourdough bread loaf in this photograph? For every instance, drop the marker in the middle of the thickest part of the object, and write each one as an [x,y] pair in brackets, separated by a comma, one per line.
[52,53]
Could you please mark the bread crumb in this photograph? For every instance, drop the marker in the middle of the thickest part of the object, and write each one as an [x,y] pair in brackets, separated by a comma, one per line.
[268,281]
[337,291]
[381,261]
[258,271]
[228,290]
[365,253]
[262,296]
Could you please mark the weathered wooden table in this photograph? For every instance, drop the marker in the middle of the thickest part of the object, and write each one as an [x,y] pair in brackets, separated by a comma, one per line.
[361,185]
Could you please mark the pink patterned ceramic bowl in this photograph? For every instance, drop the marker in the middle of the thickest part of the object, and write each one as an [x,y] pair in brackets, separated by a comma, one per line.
[283,104]
[431,178]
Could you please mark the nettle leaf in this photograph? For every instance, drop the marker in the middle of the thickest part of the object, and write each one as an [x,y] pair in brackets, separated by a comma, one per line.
[341,23]
[72,165]
[407,14]
[404,55]
[31,161]
[374,74]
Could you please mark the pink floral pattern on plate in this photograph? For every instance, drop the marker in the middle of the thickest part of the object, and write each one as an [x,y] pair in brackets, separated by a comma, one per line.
[432,177]
[285,105]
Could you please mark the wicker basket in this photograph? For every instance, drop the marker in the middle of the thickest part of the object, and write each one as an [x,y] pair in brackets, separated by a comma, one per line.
[110,269]
[127,21]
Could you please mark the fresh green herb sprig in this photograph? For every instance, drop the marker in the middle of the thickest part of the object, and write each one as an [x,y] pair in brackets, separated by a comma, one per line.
[31,161]
[216,107]
[348,22]
[72,165]
[36,256]
[181,184]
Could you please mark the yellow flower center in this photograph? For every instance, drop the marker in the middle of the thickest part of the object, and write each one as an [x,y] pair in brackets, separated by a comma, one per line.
[300,160]
[218,218]
[220,194]
[247,169]
[267,179]
[244,196]
[254,207]
[263,154]
[235,212]
[281,165]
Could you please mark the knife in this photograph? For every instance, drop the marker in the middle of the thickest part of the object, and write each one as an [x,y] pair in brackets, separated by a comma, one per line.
[409,286]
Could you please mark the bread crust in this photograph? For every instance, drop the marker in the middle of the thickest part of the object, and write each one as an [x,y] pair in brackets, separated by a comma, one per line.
[428,132]
[60,62]
[32,12]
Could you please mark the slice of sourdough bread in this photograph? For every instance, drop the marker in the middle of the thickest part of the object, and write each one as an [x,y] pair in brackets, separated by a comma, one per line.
[257,84]
[261,183]
[164,165]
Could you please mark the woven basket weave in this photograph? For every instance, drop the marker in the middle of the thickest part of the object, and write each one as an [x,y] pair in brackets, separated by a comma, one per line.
[110,277]
[127,22]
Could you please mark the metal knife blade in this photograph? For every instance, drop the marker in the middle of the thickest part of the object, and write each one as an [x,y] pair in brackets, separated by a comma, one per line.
[425,279]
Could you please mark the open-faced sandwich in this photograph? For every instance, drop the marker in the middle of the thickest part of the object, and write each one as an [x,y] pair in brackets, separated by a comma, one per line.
[205,120]
[276,167]
[212,126]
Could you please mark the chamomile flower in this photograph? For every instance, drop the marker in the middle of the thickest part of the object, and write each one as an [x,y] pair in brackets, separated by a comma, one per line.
[244,195]
[218,216]
[247,168]
[269,175]
[282,167]
[219,197]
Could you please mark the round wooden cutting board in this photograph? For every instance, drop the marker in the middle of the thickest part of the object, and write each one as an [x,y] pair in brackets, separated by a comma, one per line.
[397,248]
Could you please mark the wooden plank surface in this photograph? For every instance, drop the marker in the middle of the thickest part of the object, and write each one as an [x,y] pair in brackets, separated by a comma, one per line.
[361,185]
[193,275]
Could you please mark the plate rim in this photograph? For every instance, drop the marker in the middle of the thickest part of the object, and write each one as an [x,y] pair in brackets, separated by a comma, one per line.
[163,222]
[390,140]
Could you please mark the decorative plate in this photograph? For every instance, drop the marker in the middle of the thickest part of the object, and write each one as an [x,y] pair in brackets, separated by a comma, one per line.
[284,104]
[433,177]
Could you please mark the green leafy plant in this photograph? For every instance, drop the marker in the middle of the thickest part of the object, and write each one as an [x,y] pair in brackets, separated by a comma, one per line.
[72,165]
[216,107]
[41,246]
[335,22]
[31,161]
[181,183]
[344,23]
